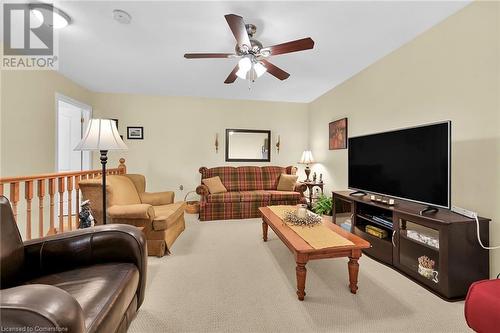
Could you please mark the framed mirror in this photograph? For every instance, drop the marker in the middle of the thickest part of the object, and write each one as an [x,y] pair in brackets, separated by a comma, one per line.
[243,145]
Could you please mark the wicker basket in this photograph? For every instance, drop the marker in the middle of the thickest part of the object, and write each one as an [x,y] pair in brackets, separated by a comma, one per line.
[192,206]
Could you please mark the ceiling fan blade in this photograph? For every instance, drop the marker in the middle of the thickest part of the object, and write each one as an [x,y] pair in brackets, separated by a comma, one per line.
[293,46]
[232,76]
[275,70]
[207,55]
[239,30]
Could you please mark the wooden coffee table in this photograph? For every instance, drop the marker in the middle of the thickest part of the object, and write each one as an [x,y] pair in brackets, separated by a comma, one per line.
[303,252]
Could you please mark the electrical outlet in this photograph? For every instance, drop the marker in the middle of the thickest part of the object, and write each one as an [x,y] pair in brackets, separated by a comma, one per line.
[464,212]
[181,187]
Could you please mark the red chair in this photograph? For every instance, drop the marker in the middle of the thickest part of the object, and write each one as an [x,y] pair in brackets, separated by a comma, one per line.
[482,306]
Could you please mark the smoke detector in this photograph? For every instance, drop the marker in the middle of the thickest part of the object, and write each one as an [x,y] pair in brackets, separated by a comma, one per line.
[122,16]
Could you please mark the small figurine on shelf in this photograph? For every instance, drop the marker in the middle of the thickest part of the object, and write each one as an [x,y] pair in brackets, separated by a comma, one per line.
[321,178]
[314,177]
[85,215]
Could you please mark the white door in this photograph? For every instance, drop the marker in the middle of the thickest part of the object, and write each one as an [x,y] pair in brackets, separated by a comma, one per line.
[72,119]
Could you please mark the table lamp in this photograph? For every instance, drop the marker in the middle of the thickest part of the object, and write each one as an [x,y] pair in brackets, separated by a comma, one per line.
[102,135]
[307,158]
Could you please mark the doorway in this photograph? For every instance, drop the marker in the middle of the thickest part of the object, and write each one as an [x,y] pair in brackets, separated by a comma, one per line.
[72,118]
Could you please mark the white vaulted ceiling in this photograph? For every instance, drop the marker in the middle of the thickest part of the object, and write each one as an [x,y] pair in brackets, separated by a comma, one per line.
[146,56]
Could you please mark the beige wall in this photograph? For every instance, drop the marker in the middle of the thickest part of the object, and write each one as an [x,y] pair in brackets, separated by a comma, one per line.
[179,133]
[28,119]
[450,72]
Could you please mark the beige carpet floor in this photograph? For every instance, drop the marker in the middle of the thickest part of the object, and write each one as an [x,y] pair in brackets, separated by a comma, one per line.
[221,277]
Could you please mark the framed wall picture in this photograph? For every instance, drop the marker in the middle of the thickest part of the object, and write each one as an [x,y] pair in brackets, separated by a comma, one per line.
[338,134]
[135,133]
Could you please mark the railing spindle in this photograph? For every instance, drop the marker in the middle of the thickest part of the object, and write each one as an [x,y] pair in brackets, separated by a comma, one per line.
[1,189]
[52,192]
[14,197]
[60,188]
[41,195]
[28,195]
[77,204]
[69,184]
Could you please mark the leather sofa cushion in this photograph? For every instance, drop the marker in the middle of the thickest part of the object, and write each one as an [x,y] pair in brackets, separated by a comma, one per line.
[167,215]
[248,196]
[224,197]
[11,247]
[284,195]
[103,291]
[122,191]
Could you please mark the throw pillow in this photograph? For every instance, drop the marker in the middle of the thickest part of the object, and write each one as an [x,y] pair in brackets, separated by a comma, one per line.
[214,185]
[287,182]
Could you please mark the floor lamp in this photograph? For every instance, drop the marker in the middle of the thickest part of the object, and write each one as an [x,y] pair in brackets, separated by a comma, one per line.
[102,135]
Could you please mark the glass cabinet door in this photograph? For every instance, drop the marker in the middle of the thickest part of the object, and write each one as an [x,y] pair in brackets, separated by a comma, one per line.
[419,251]
[343,212]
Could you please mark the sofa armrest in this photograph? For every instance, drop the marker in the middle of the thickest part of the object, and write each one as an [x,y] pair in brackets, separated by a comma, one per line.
[157,198]
[301,188]
[40,307]
[137,211]
[84,247]
[202,190]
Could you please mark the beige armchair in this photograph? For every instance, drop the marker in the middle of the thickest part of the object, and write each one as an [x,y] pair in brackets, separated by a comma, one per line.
[129,203]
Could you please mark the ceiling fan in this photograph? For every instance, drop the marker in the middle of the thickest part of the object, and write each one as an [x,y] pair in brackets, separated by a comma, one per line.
[253,56]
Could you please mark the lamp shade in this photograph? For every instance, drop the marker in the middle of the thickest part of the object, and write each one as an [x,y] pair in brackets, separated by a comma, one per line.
[101,134]
[307,157]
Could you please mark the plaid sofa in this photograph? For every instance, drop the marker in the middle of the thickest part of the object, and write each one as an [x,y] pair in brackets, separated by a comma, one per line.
[248,188]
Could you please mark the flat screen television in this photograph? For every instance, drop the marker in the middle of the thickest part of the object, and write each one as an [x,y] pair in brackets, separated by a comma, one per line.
[411,164]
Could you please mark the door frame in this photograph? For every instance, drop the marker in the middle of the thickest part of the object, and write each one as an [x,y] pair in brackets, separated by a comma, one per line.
[63,98]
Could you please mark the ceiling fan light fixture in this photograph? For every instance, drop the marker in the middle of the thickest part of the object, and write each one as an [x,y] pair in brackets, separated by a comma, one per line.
[265,52]
[250,70]
[242,74]
[245,64]
[259,69]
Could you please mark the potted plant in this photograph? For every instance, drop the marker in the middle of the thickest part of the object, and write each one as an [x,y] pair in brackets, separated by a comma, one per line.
[323,205]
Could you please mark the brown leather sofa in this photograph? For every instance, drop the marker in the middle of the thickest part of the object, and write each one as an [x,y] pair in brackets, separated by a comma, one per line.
[89,280]
[129,203]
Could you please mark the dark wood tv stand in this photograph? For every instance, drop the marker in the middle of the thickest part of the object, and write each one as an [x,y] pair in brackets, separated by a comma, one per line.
[447,238]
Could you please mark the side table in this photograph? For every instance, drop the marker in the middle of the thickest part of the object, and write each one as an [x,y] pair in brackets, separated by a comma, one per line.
[310,188]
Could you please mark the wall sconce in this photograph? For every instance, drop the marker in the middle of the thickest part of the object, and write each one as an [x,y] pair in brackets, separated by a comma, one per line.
[278,144]
[216,143]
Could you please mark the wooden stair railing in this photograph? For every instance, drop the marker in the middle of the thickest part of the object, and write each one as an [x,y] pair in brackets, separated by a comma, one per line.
[61,183]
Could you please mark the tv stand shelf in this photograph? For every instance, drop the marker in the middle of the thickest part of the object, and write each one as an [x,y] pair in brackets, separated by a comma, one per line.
[444,237]
[372,221]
